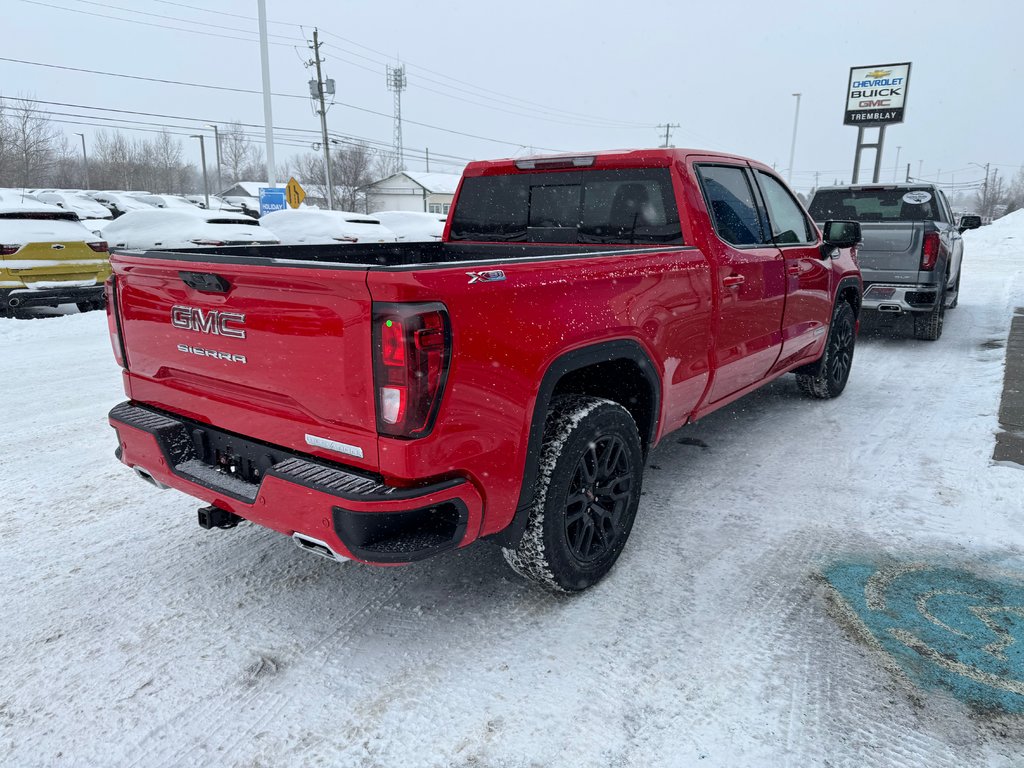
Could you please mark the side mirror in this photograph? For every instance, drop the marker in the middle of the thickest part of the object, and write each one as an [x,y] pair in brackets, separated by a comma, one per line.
[841,234]
[969,221]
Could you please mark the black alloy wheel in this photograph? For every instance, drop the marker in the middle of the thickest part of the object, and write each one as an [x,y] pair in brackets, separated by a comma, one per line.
[599,495]
[828,377]
[585,496]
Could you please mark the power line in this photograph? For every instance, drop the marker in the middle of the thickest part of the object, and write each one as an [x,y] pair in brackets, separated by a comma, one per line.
[147,23]
[283,95]
[170,18]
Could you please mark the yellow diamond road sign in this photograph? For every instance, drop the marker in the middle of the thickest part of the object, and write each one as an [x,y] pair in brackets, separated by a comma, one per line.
[294,193]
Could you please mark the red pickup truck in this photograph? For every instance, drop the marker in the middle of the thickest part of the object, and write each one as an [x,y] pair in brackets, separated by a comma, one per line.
[388,402]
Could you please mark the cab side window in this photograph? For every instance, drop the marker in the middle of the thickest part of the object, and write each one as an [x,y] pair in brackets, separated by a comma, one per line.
[731,203]
[788,224]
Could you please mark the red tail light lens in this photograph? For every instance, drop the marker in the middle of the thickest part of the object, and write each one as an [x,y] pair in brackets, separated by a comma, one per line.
[9,250]
[114,321]
[411,353]
[100,246]
[930,251]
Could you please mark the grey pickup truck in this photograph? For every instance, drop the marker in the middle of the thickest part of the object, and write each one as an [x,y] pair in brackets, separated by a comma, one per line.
[912,248]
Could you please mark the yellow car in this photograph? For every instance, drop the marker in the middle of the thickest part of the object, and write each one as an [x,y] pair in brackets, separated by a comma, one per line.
[47,257]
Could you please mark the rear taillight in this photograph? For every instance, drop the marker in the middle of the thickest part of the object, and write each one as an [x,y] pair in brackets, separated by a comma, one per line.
[930,251]
[411,352]
[9,249]
[114,321]
[100,246]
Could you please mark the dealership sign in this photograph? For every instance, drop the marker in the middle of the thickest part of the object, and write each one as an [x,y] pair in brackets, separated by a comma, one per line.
[877,95]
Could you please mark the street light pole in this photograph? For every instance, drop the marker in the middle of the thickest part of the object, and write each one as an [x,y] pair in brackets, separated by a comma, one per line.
[85,160]
[216,141]
[896,168]
[792,146]
[202,155]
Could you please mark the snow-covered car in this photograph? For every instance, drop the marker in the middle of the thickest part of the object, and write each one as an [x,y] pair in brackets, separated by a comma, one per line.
[166,201]
[310,225]
[119,203]
[216,203]
[79,202]
[47,257]
[410,226]
[183,228]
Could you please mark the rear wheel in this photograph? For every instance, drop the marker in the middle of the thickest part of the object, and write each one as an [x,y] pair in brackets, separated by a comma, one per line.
[586,495]
[928,325]
[834,370]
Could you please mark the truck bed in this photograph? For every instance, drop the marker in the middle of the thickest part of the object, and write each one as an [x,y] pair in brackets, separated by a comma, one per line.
[386,255]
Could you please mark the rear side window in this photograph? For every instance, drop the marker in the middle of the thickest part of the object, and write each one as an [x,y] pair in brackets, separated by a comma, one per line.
[731,202]
[876,204]
[787,221]
[629,206]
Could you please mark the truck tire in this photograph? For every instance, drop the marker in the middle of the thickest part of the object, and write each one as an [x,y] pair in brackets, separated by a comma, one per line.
[586,496]
[834,371]
[928,325]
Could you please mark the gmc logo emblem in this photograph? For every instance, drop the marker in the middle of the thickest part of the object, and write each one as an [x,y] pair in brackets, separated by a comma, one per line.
[209,321]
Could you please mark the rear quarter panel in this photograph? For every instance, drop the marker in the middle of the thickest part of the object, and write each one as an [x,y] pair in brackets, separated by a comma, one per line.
[506,334]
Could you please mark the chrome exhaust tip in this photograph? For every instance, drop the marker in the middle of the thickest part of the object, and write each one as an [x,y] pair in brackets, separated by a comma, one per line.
[317,547]
[149,478]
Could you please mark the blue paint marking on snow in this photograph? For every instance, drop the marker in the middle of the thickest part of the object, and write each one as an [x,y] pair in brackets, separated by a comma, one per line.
[946,628]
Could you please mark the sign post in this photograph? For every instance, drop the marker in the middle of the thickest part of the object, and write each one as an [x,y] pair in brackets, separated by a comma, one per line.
[876,96]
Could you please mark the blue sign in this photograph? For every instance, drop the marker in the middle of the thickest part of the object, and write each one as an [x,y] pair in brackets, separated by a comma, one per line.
[947,629]
[272,199]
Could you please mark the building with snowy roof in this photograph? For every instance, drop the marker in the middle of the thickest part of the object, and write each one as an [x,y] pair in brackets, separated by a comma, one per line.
[412,191]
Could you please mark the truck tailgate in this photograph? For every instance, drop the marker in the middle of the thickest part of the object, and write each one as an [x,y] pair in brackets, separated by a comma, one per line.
[274,353]
[890,247]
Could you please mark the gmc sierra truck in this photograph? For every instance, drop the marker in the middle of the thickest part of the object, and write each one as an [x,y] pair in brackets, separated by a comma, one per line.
[388,402]
[912,249]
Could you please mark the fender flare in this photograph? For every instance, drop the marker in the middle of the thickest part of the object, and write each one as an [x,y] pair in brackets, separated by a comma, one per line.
[574,360]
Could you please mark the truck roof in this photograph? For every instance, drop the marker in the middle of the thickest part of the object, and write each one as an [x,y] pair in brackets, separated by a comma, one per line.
[608,158]
[880,185]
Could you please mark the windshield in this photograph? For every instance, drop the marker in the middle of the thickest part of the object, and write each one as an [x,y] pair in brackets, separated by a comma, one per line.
[634,206]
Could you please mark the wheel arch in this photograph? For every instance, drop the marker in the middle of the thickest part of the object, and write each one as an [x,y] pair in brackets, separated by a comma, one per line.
[619,370]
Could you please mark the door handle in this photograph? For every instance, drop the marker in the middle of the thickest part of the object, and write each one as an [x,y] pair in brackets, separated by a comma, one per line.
[732,280]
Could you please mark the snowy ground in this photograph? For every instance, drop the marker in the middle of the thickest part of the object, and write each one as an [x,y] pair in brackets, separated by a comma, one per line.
[129,636]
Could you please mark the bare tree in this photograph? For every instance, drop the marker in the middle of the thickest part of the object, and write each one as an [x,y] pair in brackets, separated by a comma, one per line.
[352,169]
[32,142]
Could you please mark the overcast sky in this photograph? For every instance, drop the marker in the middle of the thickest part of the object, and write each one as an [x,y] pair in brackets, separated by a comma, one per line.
[532,76]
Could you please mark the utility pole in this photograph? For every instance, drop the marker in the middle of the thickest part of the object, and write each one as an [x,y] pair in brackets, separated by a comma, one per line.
[316,89]
[216,141]
[268,117]
[792,146]
[428,159]
[896,167]
[668,132]
[85,160]
[202,155]
[398,83]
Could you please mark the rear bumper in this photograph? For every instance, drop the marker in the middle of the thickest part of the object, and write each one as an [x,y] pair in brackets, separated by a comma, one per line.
[49,297]
[354,513]
[899,298]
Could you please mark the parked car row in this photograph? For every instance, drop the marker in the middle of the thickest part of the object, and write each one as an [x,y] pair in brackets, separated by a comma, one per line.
[53,243]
